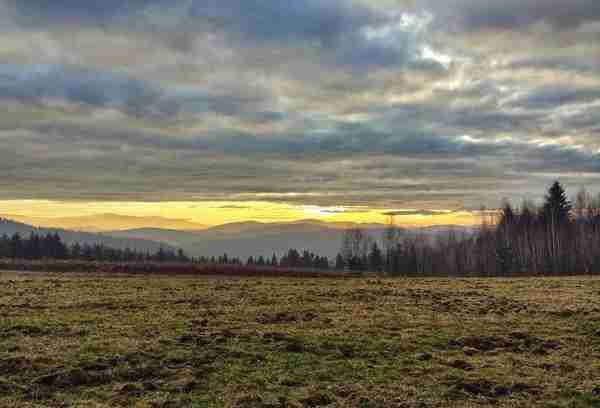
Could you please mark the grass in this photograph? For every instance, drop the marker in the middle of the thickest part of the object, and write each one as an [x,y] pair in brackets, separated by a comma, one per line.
[94,341]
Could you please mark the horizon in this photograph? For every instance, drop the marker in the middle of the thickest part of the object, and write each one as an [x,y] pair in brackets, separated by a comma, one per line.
[213,112]
[107,222]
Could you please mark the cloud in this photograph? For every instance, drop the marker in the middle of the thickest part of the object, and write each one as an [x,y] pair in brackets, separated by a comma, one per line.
[425,213]
[514,14]
[35,12]
[344,32]
[333,103]
[54,84]
[575,63]
[556,96]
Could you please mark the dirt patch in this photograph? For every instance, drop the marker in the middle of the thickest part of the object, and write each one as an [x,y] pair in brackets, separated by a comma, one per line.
[461,365]
[25,330]
[275,337]
[488,389]
[286,317]
[256,401]
[423,356]
[15,365]
[8,388]
[72,378]
[516,342]
[131,390]
[317,400]
[287,342]
[341,351]
[480,343]
[479,304]
[295,346]
[109,306]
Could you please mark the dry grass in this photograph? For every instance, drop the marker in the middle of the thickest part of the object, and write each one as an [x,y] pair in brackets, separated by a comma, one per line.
[274,342]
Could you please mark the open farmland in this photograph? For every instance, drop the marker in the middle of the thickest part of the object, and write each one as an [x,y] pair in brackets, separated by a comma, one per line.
[86,341]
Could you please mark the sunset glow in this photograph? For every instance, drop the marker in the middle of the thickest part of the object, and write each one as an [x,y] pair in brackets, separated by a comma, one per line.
[206,214]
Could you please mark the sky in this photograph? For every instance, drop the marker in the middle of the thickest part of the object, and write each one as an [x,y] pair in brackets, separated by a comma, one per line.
[228,110]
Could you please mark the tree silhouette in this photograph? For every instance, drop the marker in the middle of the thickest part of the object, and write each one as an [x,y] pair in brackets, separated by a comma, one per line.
[375,258]
[557,207]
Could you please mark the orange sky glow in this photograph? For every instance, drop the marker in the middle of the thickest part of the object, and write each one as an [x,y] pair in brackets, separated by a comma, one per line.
[52,213]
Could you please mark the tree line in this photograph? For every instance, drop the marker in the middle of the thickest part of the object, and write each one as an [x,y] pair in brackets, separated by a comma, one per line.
[51,246]
[293,258]
[557,237]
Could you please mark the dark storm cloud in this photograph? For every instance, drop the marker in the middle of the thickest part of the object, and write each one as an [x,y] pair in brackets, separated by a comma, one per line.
[514,14]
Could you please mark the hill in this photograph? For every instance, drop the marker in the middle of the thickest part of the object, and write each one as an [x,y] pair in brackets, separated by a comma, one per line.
[255,239]
[9,227]
[107,222]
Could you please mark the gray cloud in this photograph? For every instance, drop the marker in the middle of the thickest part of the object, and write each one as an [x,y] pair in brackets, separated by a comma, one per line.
[576,63]
[427,213]
[345,31]
[35,84]
[556,96]
[339,102]
[515,14]
[46,84]
[36,12]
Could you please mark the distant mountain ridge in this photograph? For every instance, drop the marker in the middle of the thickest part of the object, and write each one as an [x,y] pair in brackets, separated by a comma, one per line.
[107,222]
[10,227]
[242,239]
[255,238]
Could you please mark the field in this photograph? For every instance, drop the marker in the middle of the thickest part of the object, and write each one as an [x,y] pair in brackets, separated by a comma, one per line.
[99,341]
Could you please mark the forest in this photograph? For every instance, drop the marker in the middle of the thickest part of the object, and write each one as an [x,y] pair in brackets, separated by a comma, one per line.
[557,237]
[51,246]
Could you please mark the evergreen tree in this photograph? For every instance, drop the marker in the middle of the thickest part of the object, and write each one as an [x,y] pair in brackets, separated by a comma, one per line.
[340,265]
[375,258]
[33,247]
[4,246]
[181,257]
[505,257]
[16,246]
[557,207]
[76,251]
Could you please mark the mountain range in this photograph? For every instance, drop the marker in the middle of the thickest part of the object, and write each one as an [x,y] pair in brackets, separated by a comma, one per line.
[106,222]
[255,239]
[9,228]
[241,239]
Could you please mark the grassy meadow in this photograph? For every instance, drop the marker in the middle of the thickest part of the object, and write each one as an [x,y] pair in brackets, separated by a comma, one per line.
[97,341]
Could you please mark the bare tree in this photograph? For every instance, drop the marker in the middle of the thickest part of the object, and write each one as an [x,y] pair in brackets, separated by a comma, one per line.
[355,248]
